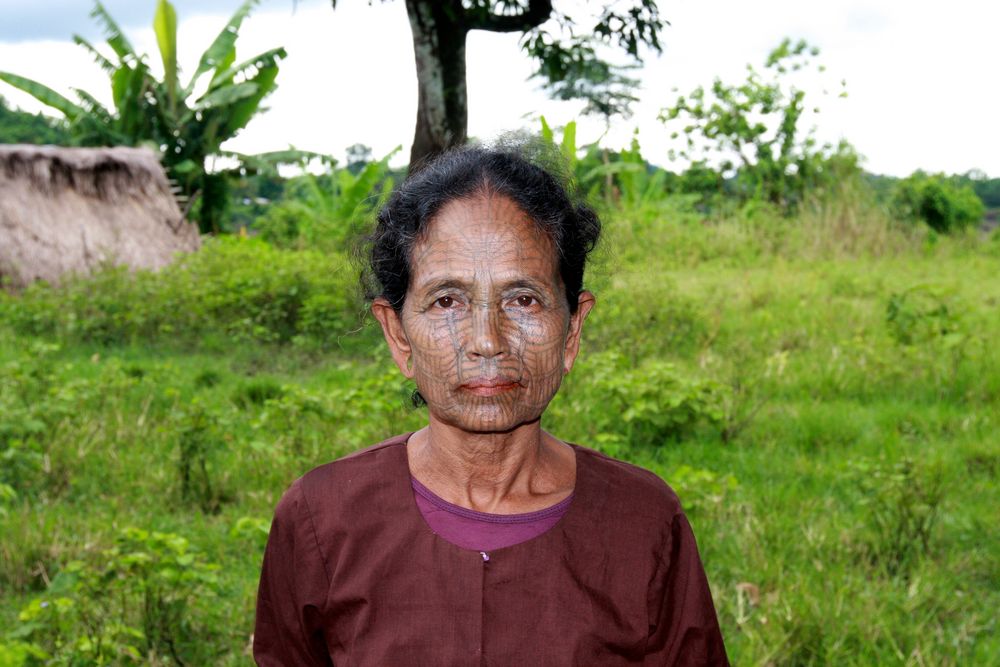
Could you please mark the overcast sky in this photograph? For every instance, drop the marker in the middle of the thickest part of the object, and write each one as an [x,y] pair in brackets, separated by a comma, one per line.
[921,76]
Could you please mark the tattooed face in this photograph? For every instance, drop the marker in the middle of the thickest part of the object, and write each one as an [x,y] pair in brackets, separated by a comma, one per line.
[485,330]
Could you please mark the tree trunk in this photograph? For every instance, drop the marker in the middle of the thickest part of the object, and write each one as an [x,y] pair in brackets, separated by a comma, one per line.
[439,32]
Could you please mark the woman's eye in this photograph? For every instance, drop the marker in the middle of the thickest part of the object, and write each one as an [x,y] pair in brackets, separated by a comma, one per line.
[445,302]
[526,301]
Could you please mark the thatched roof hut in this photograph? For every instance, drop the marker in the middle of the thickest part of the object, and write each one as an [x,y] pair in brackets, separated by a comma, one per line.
[69,210]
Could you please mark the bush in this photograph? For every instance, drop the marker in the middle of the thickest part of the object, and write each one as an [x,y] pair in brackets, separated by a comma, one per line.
[922,314]
[237,287]
[938,201]
[38,400]
[133,606]
[649,405]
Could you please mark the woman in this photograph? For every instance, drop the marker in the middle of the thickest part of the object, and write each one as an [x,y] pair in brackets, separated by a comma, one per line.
[481,539]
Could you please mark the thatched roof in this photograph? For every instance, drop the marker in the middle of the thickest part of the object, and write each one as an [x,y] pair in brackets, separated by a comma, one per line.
[68,210]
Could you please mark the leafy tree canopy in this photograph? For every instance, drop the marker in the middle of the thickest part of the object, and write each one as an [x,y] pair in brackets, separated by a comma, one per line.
[944,204]
[21,127]
[755,129]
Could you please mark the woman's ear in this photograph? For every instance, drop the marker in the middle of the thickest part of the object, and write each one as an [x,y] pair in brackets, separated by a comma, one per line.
[584,303]
[395,336]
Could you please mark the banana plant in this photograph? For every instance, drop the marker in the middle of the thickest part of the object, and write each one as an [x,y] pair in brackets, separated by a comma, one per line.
[187,122]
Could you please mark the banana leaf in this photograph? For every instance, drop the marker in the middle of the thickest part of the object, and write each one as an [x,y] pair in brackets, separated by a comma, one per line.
[99,58]
[165,27]
[115,37]
[221,54]
[44,94]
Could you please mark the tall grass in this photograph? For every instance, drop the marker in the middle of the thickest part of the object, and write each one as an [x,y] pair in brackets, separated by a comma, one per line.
[822,391]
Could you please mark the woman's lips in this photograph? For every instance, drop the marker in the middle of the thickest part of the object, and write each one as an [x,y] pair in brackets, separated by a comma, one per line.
[489,386]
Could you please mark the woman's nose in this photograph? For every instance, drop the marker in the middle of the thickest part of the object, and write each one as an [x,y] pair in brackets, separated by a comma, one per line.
[487,332]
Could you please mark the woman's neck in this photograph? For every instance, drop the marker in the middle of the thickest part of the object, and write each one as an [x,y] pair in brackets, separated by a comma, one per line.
[502,473]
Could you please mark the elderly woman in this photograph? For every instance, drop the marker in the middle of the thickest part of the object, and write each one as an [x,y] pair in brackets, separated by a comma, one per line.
[481,539]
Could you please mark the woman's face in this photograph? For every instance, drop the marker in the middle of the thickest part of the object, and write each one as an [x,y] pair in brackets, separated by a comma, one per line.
[485,330]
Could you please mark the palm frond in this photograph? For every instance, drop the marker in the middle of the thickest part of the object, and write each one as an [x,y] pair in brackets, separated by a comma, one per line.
[113,33]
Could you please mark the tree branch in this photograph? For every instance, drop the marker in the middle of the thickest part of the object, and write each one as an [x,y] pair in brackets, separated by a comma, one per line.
[535,14]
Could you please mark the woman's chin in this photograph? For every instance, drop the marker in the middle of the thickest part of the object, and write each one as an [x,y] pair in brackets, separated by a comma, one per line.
[487,419]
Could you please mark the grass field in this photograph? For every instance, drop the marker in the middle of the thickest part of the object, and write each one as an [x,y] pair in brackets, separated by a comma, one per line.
[823,393]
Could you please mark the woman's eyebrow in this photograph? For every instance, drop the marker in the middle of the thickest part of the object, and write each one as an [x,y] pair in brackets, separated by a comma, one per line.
[432,285]
[443,284]
[524,283]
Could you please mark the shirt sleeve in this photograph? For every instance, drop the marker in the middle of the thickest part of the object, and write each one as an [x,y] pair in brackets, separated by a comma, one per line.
[684,629]
[293,585]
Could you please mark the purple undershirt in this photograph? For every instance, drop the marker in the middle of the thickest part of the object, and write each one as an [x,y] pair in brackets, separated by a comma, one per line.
[482,531]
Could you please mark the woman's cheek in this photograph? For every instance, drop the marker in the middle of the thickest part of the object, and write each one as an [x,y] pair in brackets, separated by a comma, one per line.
[543,354]
[436,354]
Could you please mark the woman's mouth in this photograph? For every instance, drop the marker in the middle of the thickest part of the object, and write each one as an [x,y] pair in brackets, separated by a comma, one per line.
[484,386]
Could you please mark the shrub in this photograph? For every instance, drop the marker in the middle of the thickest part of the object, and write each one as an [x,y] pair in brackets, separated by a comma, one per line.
[36,400]
[700,488]
[651,404]
[938,201]
[17,653]
[132,606]
[922,314]
[237,287]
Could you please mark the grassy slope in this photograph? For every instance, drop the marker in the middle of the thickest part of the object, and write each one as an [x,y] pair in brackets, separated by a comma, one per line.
[785,511]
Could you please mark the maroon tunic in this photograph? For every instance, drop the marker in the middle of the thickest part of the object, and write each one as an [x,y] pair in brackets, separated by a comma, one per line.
[354,576]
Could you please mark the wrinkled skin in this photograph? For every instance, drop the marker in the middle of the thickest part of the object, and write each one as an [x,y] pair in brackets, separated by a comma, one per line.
[485,330]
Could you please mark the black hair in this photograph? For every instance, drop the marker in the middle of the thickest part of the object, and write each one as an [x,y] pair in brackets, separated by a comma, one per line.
[543,194]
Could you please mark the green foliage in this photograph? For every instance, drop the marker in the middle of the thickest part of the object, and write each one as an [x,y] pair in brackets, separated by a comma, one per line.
[199,442]
[252,195]
[572,70]
[253,530]
[326,212]
[634,183]
[186,128]
[19,654]
[754,128]
[651,404]
[35,403]
[219,290]
[20,127]
[904,505]
[944,205]
[922,314]
[987,189]
[701,489]
[617,178]
[809,359]
[257,391]
[569,60]
[679,321]
[130,606]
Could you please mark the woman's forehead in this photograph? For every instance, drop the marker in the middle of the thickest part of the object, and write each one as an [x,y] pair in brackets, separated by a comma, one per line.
[485,232]
[482,214]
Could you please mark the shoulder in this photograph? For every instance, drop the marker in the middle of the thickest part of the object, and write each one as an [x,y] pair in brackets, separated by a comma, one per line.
[625,487]
[340,481]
